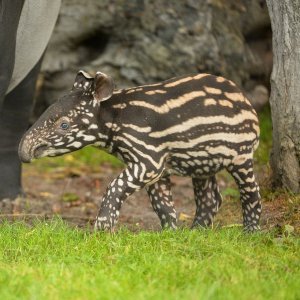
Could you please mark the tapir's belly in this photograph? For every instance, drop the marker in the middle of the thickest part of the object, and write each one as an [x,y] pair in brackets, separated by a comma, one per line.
[202,161]
[35,27]
[200,167]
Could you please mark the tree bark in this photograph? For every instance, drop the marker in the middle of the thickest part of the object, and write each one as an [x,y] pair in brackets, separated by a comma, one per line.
[285,93]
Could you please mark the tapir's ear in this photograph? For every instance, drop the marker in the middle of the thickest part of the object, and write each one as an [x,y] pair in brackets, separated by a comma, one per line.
[83,81]
[103,86]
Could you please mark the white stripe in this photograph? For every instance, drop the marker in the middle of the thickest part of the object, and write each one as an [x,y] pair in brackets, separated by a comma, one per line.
[135,171]
[142,154]
[150,159]
[181,155]
[177,82]
[156,92]
[237,119]
[129,153]
[171,103]
[138,141]
[220,136]
[125,141]
[137,128]
[221,150]
[143,172]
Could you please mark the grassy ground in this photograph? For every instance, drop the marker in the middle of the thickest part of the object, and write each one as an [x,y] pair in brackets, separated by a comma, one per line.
[51,261]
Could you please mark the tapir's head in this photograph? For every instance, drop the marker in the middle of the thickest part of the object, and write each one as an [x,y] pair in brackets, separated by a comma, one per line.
[70,123]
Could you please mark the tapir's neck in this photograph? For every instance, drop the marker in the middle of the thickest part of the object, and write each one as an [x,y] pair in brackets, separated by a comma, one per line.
[108,118]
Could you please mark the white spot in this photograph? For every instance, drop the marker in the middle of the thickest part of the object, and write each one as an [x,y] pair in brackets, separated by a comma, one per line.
[93,126]
[121,106]
[75,144]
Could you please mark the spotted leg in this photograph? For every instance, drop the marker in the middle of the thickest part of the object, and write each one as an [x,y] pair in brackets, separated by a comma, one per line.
[242,172]
[162,203]
[129,181]
[208,201]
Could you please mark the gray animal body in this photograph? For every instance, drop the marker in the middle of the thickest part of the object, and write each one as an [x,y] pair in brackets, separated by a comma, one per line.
[25,29]
[192,126]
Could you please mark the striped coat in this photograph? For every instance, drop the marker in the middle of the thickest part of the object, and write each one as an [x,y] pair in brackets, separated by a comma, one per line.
[191,126]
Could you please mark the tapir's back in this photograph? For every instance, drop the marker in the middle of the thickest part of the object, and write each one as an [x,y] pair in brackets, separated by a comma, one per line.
[186,111]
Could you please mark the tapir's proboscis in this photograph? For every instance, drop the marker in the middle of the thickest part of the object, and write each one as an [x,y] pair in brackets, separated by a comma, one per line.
[192,126]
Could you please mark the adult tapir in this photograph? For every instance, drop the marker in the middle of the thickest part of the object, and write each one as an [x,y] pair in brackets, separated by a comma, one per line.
[25,29]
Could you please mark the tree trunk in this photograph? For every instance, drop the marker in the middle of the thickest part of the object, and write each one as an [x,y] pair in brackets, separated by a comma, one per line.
[285,93]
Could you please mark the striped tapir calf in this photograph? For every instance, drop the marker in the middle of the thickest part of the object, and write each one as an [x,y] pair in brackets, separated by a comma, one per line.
[191,126]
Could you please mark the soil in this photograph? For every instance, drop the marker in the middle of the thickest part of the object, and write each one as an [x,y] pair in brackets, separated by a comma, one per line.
[75,195]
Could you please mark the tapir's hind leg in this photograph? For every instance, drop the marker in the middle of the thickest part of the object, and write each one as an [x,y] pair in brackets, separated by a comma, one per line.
[14,120]
[162,203]
[208,201]
[242,171]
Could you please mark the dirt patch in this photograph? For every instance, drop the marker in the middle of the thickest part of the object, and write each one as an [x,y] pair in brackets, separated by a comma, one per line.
[75,194]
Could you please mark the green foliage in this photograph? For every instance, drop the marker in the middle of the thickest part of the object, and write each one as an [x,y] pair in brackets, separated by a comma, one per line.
[52,261]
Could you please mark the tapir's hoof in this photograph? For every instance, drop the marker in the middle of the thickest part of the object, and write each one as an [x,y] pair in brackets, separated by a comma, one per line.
[103,226]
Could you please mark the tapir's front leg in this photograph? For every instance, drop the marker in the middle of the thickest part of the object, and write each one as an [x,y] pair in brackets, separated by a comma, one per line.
[130,180]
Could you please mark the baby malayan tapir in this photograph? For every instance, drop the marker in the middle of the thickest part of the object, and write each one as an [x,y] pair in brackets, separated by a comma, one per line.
[192,126]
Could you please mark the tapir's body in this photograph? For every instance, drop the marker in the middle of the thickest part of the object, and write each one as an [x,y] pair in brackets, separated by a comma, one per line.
[192,126]
[191,130]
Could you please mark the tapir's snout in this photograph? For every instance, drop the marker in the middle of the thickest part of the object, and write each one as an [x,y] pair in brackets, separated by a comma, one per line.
[24,150]
[30,149]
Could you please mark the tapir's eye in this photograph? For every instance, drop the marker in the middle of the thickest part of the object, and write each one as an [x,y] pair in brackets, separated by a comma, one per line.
[64,125]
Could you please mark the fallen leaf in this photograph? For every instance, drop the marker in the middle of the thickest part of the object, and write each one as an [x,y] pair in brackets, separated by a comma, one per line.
[46,194]
[184,217]
[69,158]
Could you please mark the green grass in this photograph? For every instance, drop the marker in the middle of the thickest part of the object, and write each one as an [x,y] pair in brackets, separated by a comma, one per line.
[52,261]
